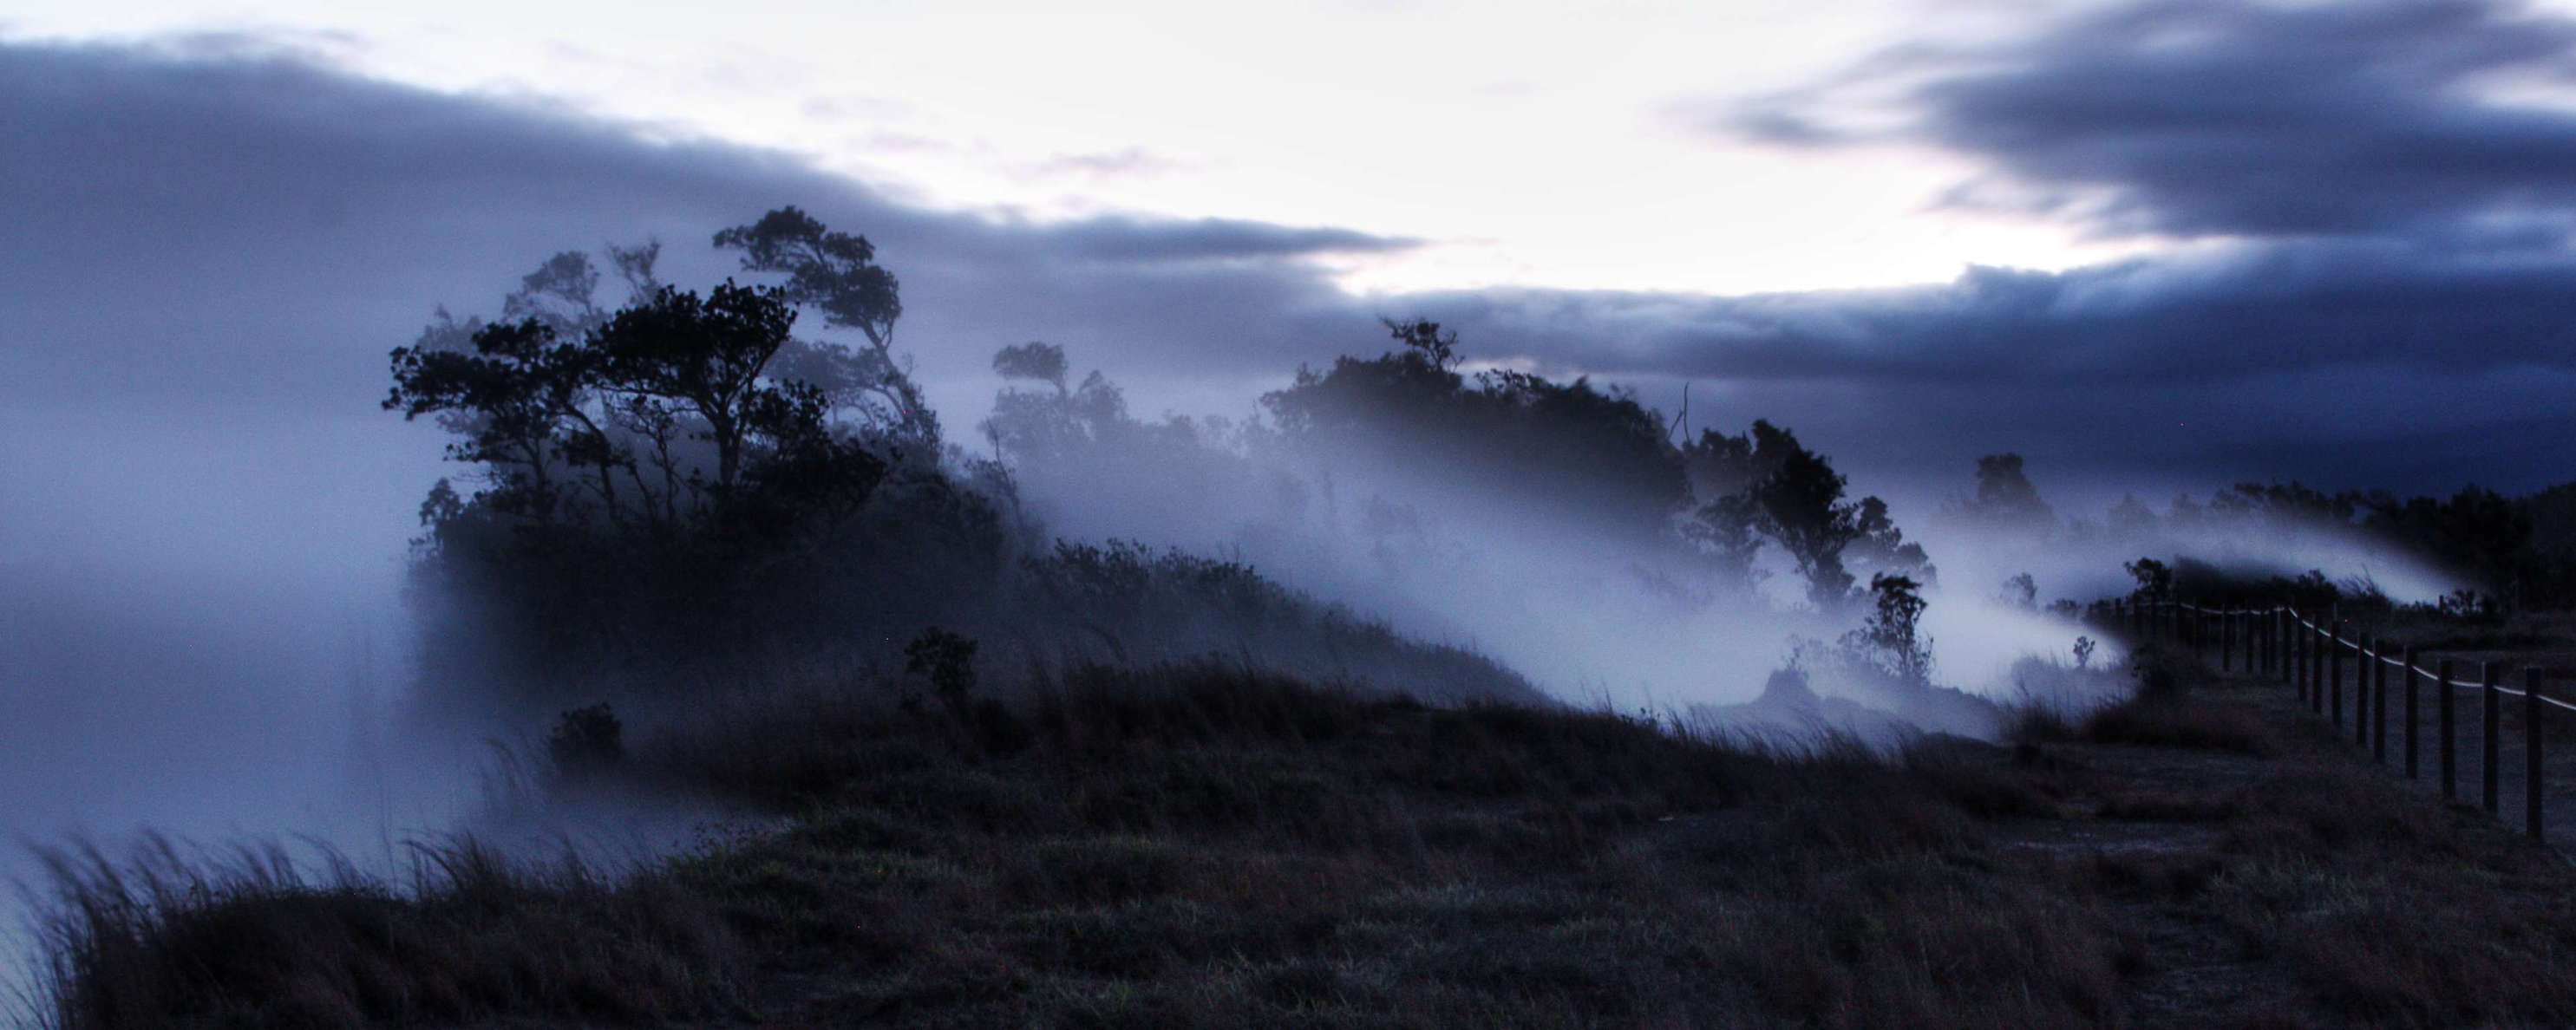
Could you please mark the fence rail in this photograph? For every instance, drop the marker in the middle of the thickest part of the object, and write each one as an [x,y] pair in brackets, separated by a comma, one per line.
[2309,654]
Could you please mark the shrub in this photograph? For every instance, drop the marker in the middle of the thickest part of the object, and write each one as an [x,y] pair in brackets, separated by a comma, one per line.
[585,742]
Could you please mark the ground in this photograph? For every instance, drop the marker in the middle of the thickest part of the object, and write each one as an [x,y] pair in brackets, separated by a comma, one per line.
[1199,847]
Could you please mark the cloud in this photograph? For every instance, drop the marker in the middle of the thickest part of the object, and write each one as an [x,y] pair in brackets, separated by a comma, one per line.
[1132,162]
[2355,363]
[260,230]
[2232,118]
[2214,316]
[215,237]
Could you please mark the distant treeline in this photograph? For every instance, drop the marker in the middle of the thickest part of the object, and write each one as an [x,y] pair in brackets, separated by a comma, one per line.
[665,484]
[2519,553]
[662,482]
[665,492]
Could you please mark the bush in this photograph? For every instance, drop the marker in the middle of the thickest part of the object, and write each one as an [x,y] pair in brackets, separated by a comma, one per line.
[586,742]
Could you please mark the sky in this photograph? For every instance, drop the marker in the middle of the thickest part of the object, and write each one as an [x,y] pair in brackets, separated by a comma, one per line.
[1517,143]
[2153,245]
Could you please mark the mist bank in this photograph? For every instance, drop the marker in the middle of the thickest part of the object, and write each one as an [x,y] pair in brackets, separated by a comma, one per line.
[1597,603]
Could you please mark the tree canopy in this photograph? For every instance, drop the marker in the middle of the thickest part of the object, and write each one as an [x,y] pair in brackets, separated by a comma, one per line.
[678,407]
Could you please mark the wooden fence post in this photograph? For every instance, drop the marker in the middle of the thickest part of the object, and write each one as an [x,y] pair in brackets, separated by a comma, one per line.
[2227,642]
[2317,673]
[2271,644]
[2379,701]
[2361,666]
[2531,752]
[2334,676]
[2408,670]
[2294,663]
[2450,761]
[2303,661]
[2317,670]
[2492,707]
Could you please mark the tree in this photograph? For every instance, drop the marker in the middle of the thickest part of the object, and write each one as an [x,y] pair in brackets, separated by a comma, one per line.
[2021,591]
[1728,532]
[1043,362]
[1578,453]
[709,356]
[1424,338]
[2155,580]
[565,405]
[837,273]
[1793,497]
[2005,499]
[2476,531]
[1881,547]
[1892,636]
[519,389]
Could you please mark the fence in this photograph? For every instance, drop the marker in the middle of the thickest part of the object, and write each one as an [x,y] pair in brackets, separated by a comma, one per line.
[2309,654]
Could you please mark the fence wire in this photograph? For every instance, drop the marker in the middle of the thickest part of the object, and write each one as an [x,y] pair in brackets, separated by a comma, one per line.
[2355,646]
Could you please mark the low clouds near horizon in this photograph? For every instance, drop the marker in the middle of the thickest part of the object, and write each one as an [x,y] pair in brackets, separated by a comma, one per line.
[2379,296]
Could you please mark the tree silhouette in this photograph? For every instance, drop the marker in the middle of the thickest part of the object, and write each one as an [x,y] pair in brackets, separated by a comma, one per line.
[519,389]
[1572,450]
[2005,499]
[577,414]
[2021,591]
[1424,337]
[837,274]
[1891,638]
[1043,362]
[708,356]
[2155,580]
[1768,483]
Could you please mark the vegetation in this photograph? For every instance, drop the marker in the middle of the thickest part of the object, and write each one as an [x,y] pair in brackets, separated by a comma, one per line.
[2514,552]
[1200,844]
[1577,462]
[683,484]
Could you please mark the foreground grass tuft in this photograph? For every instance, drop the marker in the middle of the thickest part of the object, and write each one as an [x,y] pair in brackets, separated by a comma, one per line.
[251,939]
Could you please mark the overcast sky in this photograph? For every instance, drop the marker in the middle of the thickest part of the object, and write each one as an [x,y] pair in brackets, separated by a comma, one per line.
[2161,244]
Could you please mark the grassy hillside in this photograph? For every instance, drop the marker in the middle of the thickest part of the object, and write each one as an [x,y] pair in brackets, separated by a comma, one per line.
[1195,845]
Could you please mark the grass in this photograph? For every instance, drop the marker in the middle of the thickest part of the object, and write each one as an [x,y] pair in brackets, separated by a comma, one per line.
[254,938]
[1197,845]
[2158,712]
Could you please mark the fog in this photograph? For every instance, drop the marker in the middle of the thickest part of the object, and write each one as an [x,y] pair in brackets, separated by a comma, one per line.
[204,517]
[1580,609]
[202,628]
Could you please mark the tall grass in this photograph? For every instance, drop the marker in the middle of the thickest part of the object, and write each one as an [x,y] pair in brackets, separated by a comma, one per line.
[254,936]
[1203,844]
